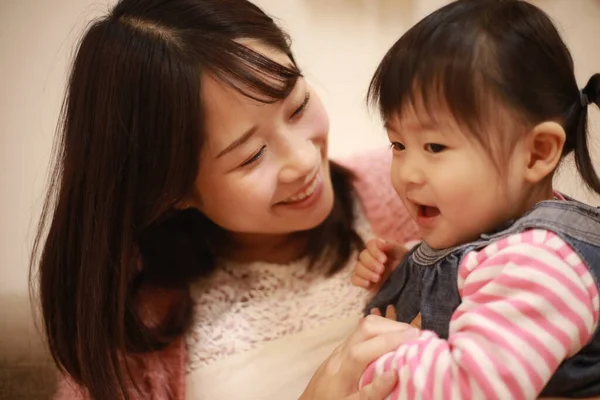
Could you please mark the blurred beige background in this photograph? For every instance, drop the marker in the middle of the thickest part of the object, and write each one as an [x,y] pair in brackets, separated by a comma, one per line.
[337,42]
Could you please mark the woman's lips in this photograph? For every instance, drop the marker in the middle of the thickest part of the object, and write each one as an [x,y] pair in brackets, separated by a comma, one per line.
[307,196]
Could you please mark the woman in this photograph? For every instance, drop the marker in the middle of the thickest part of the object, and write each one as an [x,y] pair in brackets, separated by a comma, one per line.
[194,222]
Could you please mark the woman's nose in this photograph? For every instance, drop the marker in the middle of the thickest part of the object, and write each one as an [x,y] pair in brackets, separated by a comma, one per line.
[301,158]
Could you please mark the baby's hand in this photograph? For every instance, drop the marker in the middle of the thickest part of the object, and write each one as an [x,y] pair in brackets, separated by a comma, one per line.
[376,262]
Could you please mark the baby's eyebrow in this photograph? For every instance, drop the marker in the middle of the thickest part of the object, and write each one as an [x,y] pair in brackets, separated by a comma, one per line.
[414,127]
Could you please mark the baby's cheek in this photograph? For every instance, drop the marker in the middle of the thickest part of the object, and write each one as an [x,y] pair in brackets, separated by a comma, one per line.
[395,178]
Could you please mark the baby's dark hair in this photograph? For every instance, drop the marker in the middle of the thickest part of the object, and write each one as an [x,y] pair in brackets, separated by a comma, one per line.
[478,58]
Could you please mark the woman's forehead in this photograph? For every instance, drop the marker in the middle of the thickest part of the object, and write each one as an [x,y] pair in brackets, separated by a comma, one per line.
[232,106]
[228,113]
[212,84]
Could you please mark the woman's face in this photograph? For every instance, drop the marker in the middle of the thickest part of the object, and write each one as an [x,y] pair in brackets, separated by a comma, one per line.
[264,167]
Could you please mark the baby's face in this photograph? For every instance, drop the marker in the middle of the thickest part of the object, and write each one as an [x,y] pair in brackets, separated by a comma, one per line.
[448,182]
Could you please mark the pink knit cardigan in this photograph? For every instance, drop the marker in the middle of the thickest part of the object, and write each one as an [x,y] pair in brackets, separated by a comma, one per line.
[161,375]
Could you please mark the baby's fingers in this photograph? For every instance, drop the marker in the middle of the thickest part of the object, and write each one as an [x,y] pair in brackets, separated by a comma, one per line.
[370,262]
[366,272]
[374,248]
[360,282]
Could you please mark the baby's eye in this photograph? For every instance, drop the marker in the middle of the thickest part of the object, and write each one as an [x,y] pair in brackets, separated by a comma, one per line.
[434,147]
[397,146]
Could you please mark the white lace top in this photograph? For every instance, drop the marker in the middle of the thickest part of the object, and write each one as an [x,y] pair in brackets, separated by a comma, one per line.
[245,305]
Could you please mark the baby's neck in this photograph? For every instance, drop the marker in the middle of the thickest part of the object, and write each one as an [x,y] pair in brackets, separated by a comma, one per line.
[534,196]
[527,201]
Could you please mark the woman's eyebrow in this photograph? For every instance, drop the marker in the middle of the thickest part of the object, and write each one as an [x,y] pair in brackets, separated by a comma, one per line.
[239,141]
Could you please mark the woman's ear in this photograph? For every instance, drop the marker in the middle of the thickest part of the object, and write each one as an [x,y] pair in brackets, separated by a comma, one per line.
[189,201]
[184,204]
[181,205]
[544,149]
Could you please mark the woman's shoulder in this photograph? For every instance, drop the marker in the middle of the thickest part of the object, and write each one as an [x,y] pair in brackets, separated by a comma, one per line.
[380,202]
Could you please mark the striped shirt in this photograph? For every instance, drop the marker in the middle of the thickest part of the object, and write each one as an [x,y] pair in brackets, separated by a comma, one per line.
[528,302]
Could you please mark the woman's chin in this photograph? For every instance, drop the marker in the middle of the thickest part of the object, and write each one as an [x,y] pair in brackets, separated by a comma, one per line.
[316,217]
[310,218]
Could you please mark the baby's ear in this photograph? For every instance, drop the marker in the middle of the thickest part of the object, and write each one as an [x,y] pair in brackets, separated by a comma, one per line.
[544,147]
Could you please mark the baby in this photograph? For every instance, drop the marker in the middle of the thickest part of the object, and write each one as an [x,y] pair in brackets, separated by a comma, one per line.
[481,105]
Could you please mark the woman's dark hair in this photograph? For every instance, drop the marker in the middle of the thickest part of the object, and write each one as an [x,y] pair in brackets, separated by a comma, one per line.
[127,151]
[478,57]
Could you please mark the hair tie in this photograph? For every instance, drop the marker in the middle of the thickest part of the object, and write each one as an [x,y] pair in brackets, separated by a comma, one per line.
[584,99]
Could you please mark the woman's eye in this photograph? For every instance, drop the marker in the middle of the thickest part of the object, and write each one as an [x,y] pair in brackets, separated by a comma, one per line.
[302,106]
[434,147]
[397,146]
[257,156]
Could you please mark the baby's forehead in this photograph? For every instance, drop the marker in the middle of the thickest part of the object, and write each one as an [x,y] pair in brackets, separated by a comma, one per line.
[415,121]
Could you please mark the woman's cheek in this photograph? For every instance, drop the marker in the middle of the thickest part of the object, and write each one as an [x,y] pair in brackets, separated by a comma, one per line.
[317,120]
[257,189]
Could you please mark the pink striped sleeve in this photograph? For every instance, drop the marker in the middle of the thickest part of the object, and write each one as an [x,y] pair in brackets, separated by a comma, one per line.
[528,303]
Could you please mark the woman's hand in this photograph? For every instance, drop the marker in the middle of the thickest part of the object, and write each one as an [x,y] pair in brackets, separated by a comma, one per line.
[339,375]
[376,262]
[390,313]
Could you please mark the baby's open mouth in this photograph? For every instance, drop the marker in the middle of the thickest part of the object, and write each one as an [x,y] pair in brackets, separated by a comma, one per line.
[428,211]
